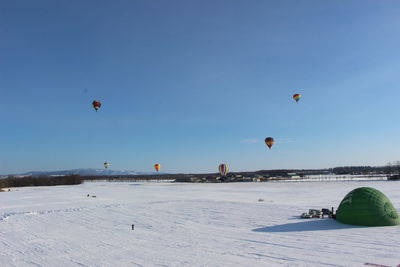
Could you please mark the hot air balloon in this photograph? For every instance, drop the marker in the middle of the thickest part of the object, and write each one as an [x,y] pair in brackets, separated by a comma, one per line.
[157,166]
[223,169]
[297,97]
[367,206]
[269,141]
[96,104]
[106,164]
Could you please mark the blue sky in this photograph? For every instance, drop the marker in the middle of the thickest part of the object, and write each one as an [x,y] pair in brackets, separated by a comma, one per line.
[192,84]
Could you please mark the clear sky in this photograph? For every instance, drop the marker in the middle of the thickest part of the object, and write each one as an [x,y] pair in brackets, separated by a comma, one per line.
[192,84]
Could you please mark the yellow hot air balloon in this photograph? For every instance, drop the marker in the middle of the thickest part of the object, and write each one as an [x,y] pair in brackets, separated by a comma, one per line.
[157,166]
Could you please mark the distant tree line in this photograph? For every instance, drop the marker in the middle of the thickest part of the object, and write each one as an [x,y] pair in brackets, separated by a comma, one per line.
[353,170]
[392,167]
[303,172]
[12,181]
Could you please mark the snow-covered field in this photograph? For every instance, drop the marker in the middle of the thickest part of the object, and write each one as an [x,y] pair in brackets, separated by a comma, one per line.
[189,225]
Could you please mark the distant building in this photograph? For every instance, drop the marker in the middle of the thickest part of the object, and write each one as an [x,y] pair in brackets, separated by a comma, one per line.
[293,175]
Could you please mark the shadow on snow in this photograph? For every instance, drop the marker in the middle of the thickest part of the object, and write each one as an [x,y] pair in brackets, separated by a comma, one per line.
[307,225]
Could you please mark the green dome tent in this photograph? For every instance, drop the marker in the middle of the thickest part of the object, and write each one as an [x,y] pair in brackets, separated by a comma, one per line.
[367,206]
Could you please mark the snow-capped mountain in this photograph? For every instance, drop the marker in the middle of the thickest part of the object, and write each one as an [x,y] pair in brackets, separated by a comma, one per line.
[83,172]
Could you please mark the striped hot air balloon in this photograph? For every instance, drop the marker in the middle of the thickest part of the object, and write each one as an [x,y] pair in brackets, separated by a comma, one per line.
[297,97]
[96,104]
[157,166]
[223,169]
[269,141]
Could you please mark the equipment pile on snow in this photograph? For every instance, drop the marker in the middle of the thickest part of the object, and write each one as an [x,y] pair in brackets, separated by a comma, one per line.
[313,213]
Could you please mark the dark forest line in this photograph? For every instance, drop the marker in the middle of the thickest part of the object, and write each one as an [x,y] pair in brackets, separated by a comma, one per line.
[12,181]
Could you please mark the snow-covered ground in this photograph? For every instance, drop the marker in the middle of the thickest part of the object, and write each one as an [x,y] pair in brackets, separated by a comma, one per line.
[189,225]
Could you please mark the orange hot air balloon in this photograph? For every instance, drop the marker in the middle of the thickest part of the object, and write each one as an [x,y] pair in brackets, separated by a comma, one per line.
[297,97]
[157,166]
[269,141]
[223,169]
[96,104]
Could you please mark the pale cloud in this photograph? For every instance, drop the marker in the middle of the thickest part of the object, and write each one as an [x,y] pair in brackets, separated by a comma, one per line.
[286,140]
[249,141]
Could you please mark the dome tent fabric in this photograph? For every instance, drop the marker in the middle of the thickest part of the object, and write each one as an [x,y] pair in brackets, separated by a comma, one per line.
[367,206]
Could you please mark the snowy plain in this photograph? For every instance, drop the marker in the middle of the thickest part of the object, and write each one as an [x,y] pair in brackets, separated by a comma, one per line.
[178,224]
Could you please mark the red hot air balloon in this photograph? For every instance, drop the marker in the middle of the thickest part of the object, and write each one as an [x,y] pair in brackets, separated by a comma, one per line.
[269,141]
[297,97]
[96,104]
[223,169]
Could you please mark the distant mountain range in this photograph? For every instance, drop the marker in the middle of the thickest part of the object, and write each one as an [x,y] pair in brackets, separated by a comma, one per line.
[84,172]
